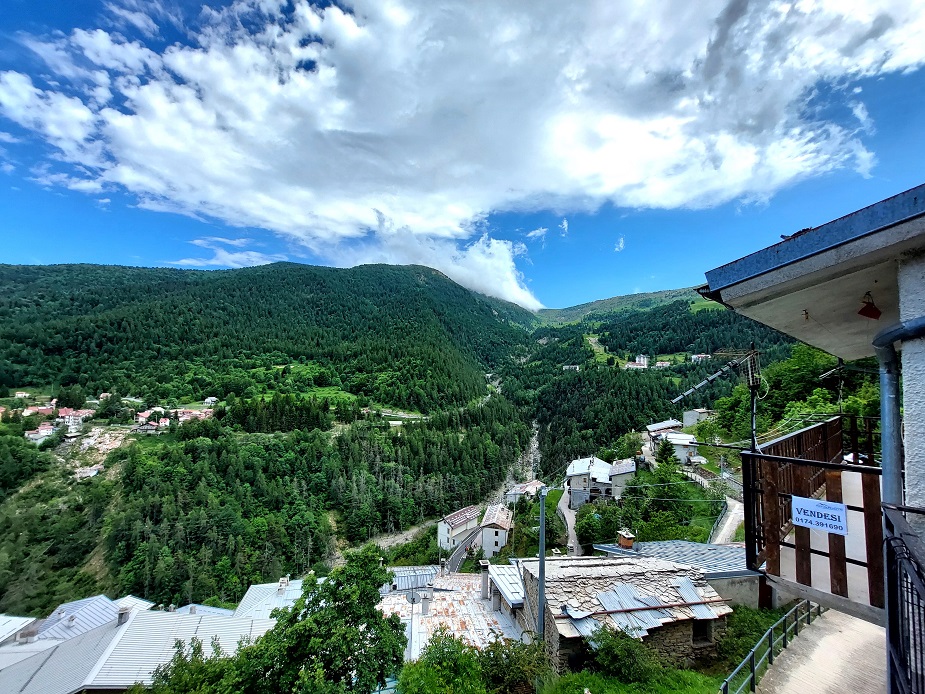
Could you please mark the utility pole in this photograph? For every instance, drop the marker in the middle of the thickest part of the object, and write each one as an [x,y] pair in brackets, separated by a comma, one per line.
[541,600]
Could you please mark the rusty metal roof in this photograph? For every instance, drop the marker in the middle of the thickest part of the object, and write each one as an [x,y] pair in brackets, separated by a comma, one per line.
[461,517]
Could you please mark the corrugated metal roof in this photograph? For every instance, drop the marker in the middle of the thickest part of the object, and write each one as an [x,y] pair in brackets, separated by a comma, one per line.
[261,599]
[623,467]
[714,561]
[74,618]
[461,517]
[205,609]
[15,652]
[134,603]
[9,625]
[61,669]
[667,424]
[148,638]
[409,577]
[498,515]
[508,581]
[687,590]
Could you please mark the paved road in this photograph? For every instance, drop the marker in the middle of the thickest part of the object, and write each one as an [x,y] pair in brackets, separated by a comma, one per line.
[834,655]
[569,522]
[734,516]
[459,554]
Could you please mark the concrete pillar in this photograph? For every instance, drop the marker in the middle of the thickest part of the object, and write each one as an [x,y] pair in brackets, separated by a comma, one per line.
[911,277]
[484,564]
[495,599]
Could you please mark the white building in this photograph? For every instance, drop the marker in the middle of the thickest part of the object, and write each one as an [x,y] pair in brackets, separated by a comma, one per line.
[621,473]
[643,360]
[697,358]
[531,488]
[692,417]
[496,526]
[587,479]
[661,428]
[685,445]
[457,526]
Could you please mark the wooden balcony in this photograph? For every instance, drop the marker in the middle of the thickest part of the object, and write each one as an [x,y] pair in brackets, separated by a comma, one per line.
[835,459]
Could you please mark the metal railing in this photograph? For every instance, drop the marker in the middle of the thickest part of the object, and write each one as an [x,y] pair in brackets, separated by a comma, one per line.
[905,571]
[769,646]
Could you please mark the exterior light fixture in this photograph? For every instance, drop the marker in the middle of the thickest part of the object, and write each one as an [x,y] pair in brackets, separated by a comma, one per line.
[869,308]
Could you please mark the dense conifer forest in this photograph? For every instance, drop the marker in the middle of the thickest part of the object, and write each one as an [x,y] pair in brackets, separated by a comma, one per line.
[300,459]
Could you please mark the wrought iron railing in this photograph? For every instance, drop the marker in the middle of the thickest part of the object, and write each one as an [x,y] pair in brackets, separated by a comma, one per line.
[769,646]
[905,578]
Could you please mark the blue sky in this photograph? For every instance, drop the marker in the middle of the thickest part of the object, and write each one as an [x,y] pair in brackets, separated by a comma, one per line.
[649,144]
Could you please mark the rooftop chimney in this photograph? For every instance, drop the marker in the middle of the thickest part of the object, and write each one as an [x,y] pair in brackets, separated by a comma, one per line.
[625,539]
[192,609]
[71,621]
[484,564]
[123,615]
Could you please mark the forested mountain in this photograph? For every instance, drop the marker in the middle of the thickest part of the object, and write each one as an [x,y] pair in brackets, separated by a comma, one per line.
[404,336]
[293,462]
[626,302]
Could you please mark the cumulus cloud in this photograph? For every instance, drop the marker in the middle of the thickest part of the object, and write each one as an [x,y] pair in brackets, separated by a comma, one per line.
[392,129]
[620,245]
[222,257]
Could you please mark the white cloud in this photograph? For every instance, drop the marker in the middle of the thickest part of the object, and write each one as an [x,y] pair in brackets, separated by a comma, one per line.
[539,233]
[425,116]
[620,245]
[139,20]
[8,139]
[221,257]
[210,241]
[563,227]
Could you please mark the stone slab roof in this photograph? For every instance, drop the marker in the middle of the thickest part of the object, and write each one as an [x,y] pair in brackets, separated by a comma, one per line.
[498,516]
[461,517]
[579,589]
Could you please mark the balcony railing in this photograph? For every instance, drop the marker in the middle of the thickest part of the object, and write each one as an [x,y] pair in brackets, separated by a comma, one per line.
[813,462]
[905,572]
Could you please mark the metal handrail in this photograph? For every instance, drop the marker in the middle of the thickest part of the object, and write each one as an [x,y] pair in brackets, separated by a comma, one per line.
[767,644]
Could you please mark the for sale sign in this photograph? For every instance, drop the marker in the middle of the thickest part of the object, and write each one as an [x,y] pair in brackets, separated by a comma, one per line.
[828,516]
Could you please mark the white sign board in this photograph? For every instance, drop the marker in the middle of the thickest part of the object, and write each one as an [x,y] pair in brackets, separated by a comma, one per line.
[828,516]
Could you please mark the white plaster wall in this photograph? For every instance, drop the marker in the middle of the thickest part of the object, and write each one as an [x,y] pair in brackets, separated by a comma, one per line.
[912,305]
[443,535]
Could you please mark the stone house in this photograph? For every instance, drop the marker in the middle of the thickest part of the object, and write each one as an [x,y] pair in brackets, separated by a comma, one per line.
[622,472]
[584,594]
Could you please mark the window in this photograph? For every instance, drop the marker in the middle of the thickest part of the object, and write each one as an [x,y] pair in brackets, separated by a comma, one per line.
[496,533]
[496,543]
[703,631]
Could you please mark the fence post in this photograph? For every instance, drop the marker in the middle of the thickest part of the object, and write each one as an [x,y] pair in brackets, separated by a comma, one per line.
[751,664]
[796,620]
[725,689]
[771,645]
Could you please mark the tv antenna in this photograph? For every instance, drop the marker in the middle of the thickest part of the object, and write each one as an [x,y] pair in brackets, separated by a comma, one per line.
[747,364]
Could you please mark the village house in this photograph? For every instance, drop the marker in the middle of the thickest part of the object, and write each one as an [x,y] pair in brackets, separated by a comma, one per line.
[572,367]
[496,526]
[456,527]
[21,394]
[659,429]
[662,364]
[722,566]
[697,358]
[692,417]
[73,419]
[622,472]
[44,431]
[531,489]
[103,396]
[584,594]
[685,446]
[210,401]
[504,586]
[587,479]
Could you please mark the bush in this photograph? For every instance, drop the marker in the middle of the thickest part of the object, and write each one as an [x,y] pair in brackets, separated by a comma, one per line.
[511,666]
[622,657]
[743,629]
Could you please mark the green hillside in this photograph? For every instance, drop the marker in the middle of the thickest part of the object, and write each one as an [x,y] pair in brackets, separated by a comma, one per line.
[630,302]
[400,335]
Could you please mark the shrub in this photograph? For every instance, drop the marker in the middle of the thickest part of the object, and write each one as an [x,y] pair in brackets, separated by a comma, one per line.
[623,657]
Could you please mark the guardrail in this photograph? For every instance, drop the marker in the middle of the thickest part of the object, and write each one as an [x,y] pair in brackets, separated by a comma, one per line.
[769,646]
[719,519]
